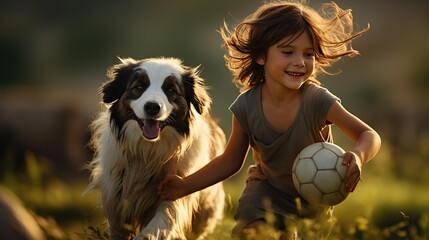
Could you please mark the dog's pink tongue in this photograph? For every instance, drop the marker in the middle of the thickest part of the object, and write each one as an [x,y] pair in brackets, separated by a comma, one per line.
[151,129]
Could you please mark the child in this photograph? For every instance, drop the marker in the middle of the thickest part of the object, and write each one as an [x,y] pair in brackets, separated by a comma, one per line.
[275,55]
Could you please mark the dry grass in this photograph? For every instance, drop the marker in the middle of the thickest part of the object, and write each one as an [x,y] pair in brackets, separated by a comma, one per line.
[382,207]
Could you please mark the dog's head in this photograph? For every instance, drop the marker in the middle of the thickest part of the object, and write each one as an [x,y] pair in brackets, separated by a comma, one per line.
[155,93]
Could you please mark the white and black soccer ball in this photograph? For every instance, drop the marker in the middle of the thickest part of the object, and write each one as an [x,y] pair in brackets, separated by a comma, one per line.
[318,174]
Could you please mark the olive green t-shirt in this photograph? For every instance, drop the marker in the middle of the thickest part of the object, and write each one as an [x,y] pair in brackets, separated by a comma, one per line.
[274,152]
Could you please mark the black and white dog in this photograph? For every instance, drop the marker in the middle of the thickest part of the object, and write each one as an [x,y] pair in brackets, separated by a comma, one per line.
[157,122]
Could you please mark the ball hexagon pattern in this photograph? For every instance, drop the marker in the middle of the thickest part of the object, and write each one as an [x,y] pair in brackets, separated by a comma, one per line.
[318,174]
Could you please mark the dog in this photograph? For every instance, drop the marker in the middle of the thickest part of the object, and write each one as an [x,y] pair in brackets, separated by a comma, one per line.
[156,122]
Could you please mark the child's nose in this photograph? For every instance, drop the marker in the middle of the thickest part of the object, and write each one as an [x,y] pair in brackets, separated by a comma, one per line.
[299,60]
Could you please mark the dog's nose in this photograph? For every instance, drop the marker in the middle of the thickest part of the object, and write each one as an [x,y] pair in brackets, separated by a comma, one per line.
[152,108]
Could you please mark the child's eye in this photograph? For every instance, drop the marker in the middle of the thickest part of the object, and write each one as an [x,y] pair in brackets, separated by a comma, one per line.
[287,52]
[309,54]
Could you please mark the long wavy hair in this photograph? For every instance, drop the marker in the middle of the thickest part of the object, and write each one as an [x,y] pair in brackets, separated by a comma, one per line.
[330,29]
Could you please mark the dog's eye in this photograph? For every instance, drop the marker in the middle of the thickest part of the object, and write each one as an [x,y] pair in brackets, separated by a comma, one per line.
[138,87]
[172,90]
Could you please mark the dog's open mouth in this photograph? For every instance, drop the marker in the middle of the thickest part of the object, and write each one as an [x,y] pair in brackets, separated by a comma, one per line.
[151,128]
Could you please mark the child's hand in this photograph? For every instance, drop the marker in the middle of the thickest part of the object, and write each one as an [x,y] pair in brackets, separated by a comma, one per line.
[354,163]
[171,188]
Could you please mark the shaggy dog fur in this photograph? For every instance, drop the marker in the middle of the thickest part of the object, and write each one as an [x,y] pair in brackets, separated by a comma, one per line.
[157,122]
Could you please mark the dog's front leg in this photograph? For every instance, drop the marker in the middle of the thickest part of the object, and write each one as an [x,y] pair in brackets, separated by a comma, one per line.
[170,220]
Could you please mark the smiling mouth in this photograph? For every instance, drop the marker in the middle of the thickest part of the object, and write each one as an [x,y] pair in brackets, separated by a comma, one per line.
[151,128]
[295,74]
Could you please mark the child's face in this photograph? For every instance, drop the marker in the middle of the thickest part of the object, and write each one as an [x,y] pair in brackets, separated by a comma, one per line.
[289,65]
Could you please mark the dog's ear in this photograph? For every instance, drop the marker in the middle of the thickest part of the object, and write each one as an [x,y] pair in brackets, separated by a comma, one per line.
[195,90]
[118,76]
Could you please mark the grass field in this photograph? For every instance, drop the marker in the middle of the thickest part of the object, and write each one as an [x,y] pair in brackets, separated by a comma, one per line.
[384,206]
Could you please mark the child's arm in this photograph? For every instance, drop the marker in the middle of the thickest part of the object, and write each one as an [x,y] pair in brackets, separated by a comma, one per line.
[220,168]
[367,142]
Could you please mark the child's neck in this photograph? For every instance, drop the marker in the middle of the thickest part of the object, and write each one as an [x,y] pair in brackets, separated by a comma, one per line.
[280,107]
[279,96]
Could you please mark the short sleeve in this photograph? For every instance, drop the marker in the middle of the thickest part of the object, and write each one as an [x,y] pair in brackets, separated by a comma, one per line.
[238,108]
[323,102]
[318,102]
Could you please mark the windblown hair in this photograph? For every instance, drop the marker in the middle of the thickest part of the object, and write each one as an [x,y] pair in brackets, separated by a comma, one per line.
[330,29]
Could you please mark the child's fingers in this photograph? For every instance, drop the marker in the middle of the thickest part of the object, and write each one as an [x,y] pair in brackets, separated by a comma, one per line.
[353,186]
[347,158]
[168,188]
[162,185]
[353,171]
[352,176]
[351,180]
[160,190]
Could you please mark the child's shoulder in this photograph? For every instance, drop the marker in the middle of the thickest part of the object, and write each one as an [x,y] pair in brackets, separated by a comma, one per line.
[249,97]
[251,93]
[311,88]
[316,94]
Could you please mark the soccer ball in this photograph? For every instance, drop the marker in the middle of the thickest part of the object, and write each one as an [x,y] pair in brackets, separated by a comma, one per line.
[318,174]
